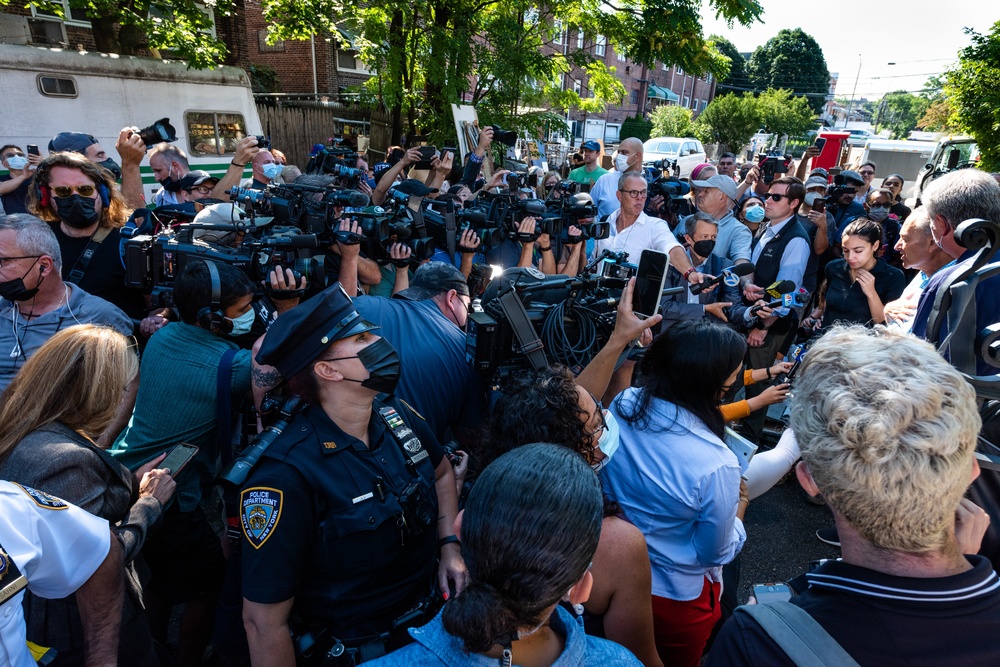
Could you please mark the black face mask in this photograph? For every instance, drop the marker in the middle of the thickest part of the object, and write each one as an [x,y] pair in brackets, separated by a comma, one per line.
[76,211]
[703,248]
[170,184]
[113,167]
[381,361]
[14,290]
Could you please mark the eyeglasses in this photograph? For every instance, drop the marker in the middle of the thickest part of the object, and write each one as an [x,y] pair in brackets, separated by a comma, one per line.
[201,190]
[867,173]
[7,259]
[635,194]
[67,190]
[603,426]
[774,196]
[7,155]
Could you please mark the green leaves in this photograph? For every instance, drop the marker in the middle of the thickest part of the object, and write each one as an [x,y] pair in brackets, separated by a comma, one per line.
[729,120]
[900,112]
[792,60]
[972,90]
[671,121]
[781,113]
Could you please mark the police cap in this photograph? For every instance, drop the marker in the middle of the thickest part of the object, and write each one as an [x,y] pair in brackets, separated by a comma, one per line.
[299,336]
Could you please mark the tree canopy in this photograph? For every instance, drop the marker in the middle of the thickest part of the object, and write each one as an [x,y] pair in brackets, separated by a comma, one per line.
[737,77]
[670,120]
[973,92]
[792,60]
[900,112]
[729,120]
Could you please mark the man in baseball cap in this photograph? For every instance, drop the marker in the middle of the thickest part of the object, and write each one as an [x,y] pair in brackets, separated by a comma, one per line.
[716,196]
[87,146]
[196,185]
[591,169]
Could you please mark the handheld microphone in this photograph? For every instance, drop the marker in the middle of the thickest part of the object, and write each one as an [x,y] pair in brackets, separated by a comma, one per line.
[779,290]
[738,270]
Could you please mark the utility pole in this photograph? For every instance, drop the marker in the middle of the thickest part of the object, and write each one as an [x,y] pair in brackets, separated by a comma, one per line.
[850,109]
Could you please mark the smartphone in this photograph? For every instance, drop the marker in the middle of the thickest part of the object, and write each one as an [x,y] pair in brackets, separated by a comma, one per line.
[33,149]
[743,448]
[427,154]
[772,593]
[649,279]
[820,143]
[449,149]
[819,205]
[178,458]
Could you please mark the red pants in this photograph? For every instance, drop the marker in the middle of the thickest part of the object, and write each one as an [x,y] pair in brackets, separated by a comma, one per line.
[681,629]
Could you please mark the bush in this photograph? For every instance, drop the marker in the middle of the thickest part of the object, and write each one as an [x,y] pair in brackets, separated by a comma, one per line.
[671,121]
[637,127]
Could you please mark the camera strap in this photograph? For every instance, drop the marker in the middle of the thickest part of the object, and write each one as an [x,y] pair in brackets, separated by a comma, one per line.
[404,435]
[224,406]
[83,261]
[530,345]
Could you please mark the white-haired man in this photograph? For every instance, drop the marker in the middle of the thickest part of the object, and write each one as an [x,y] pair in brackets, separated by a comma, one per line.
[887,430]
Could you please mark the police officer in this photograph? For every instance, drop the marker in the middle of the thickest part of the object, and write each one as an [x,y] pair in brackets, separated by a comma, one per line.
[350,511]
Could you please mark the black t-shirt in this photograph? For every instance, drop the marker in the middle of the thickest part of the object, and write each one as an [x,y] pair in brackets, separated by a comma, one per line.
[105,274]
[845,300]
[16,201]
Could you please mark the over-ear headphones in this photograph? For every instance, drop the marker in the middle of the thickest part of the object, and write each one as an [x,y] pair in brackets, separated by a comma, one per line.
[102,190]
[212,318]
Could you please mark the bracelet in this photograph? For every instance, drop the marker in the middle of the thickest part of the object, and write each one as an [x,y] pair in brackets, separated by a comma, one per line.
[743,500]
[451,539]
[769,376]
[241,166]
[547,248]
[688,273]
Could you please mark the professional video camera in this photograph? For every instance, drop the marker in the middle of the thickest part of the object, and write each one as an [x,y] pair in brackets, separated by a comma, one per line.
[339,161]
[673,192]
[663,166]
[772,164]
[571,211]
[527,319]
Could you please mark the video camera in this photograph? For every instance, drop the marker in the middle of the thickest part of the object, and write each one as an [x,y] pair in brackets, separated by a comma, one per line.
[527,319]
[673,191]
[664,166]
[339,161]
[772,164]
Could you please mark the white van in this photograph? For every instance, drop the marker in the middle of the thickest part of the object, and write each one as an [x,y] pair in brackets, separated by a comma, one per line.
[48,91]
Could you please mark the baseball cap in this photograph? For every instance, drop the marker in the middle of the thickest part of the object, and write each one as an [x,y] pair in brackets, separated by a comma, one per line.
[815,182]
[414,188]
[590,145]
[193,179]
[724,183]
[820,171]
[433,278]
[74,142]
[851,176]
[300,335]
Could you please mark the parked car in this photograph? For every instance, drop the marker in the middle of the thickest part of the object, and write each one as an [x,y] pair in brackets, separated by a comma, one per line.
[686,152]
[860,137]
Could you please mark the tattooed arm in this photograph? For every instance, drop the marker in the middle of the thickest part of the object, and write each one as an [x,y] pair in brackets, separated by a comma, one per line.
[263,377]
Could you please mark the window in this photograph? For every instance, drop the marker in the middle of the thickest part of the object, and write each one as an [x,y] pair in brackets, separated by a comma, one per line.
[579,38]
[53,86]
[167,15]
[562,81]
[73,16]
[600,45]
[634,99]
[558,27]
[347,61]
[620,56]
[577,87]
[214,133]
[680,72]
[687,101]
[264,47]
[708,79]
[665,67]
[696,100]
[704,103]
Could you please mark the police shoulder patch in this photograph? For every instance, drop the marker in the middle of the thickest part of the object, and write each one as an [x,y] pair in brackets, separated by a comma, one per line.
[260,510]
[410,408]
[42,499]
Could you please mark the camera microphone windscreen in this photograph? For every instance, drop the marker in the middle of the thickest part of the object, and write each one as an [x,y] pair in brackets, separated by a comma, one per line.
[744,269]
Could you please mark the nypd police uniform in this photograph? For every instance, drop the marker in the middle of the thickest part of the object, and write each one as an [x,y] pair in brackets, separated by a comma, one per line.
[346,529]
[47,545]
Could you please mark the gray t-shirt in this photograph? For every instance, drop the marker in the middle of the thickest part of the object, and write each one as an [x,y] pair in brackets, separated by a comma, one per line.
[19,338]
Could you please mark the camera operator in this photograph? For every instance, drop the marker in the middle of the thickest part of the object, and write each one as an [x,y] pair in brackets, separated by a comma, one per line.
[179,401]
[170,164]
[130,148]
[265,170]
[196,185]
[842,204]
[345,514]
[86,203]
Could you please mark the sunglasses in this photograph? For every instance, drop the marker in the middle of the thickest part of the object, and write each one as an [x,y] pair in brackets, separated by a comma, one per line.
[773,196]
[867,173]
[67,190]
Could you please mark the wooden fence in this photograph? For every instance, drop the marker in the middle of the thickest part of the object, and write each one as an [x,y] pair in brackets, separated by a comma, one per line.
[294,129]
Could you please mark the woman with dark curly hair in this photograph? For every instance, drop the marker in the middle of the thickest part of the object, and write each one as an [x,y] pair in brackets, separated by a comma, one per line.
[549,406]
[676,479]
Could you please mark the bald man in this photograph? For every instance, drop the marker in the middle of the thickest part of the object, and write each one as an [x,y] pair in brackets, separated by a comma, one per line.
[605,190]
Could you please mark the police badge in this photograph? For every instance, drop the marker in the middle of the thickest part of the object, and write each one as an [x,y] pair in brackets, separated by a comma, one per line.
[260,511]
[42,499]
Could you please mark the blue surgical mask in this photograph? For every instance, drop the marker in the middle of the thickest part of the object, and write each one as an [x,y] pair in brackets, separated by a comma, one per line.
[878,213]
[242,324]
[609,440]
[271,171]
[17,162]
[754,214]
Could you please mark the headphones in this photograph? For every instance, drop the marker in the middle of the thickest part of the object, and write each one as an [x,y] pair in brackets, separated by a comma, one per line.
[42,192]
[212,317]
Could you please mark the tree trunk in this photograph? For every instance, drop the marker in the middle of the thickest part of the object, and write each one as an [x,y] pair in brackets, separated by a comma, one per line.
[105,36]
[397,43]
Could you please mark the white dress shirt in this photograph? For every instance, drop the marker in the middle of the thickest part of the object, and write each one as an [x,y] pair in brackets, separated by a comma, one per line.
[645,232]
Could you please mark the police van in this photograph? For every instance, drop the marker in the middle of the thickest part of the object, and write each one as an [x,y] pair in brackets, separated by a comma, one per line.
[48,91]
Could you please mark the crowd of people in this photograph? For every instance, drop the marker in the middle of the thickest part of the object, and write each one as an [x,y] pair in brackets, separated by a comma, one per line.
[313,474]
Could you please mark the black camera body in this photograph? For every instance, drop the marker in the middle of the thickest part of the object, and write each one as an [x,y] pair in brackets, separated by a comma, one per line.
[159,132]
[772,164]
[505,137]
[263,143]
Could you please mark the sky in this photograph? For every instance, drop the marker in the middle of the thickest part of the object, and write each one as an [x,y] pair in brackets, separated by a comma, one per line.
[922,37]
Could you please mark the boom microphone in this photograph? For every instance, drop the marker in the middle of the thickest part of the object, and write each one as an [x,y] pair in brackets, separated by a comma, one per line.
[738,270]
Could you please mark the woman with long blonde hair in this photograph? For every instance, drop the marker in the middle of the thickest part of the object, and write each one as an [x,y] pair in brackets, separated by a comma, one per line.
[57,406]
